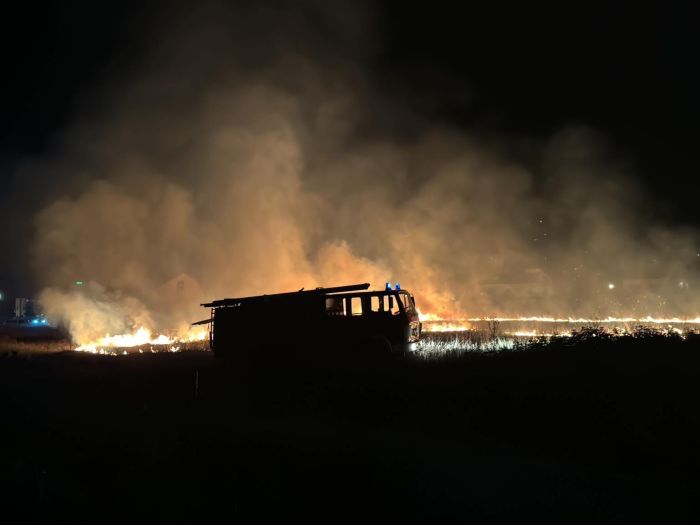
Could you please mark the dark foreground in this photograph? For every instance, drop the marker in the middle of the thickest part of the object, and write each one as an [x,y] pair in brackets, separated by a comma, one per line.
[601,432]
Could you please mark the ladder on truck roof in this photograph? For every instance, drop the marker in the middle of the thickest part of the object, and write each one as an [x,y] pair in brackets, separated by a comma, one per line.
[316,291]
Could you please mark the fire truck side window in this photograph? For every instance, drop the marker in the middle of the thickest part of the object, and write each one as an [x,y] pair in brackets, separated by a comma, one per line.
[377,303]
[353,306]
[334,306]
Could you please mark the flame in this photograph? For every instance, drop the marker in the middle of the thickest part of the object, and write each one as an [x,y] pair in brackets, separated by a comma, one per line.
[428,317]
[446,326]
[141,337]
[433,323]
[581,320]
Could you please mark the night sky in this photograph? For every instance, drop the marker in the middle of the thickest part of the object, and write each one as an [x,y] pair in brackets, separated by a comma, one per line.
[502,71]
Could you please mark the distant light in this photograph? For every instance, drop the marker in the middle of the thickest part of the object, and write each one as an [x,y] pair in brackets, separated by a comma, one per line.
[35,321]
[398,287]
[79,283]
[2,296]
[611,286]
[388,286]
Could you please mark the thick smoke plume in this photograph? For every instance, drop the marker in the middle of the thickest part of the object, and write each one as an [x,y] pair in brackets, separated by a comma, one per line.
[252,153]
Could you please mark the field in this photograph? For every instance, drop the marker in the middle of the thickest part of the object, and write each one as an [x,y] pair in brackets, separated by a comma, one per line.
[584,429]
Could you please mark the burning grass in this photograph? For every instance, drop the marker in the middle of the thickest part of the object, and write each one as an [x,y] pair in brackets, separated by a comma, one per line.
[142,340]
[551,326]
[491,338]
[147,348]
[445,345]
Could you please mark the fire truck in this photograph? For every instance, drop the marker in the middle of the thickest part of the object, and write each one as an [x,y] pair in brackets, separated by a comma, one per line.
[352,316]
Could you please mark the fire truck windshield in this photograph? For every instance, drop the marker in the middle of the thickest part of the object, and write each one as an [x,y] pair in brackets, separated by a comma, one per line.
[407,302]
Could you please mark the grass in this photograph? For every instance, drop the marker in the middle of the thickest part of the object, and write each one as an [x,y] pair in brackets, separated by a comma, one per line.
[12,346]
[597,427]
[449,345]
[453,344]
[436,345]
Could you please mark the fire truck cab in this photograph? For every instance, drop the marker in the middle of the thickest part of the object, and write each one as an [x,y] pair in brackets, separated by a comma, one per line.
[323,318]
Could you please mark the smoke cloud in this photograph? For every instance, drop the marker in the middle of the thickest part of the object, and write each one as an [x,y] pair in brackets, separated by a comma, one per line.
[252,153]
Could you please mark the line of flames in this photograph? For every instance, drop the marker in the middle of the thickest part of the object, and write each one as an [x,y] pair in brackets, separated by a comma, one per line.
[140,338]
[434,323]
[143,337]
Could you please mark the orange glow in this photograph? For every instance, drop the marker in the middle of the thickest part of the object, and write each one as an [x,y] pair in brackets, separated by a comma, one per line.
[433,323]
[140,337]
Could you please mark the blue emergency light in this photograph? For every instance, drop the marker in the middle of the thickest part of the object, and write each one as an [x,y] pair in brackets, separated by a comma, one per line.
[388,287]
[398,287]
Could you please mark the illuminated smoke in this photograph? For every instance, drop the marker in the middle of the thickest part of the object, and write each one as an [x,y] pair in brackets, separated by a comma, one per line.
[253,157]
